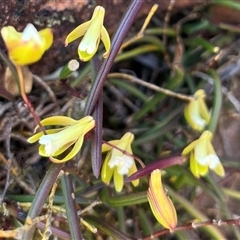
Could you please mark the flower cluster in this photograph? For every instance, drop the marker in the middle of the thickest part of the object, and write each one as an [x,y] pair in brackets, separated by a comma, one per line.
[62,142]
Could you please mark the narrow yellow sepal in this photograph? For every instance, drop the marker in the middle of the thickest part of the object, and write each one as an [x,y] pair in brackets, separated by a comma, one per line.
[161,205]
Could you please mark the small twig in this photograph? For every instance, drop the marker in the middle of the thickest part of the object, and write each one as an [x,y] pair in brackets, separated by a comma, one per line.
[48,89]
[9,162]
[89,207]
[150,86]
[140,34]
[165,26]
[117,93]
[17,178]
[48,232]
[178,55]
[24,96]
[231,98]
[49,108]
[19,232]
[194,225]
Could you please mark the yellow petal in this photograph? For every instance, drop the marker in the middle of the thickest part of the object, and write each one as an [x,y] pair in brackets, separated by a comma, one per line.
[118,180]
[106,147]
[203,150]
[189,147]
[77,32]
[42,151]
[47,37]
[9,35]
[196,111]
[26,47]
[155,208]
[202,169]
[106,172]
[204,110]
[36,136]
[126,141]
[200,152]
[131,171]
[194,166]
[64,121]
[25,54]
[219,170]
[193,117]
[57,120]
[72,153]
[123,144]
[207,135]
[62,149]
[106,41]
[161,205]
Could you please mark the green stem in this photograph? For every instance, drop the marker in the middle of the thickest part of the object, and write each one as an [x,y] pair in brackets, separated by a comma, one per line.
[217,102]
[121,219]
[124,200]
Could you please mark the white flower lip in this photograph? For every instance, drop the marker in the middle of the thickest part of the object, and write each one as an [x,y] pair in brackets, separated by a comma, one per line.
[213,161]
[86,47]
[30,32]
[48,141]
[199,121]
[123,164]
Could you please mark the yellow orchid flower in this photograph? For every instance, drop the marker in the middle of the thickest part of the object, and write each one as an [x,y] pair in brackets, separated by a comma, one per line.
[118,164]
[196,112]
[26,47]
[92,31]
[160,204]
[58,140]
[203,156]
